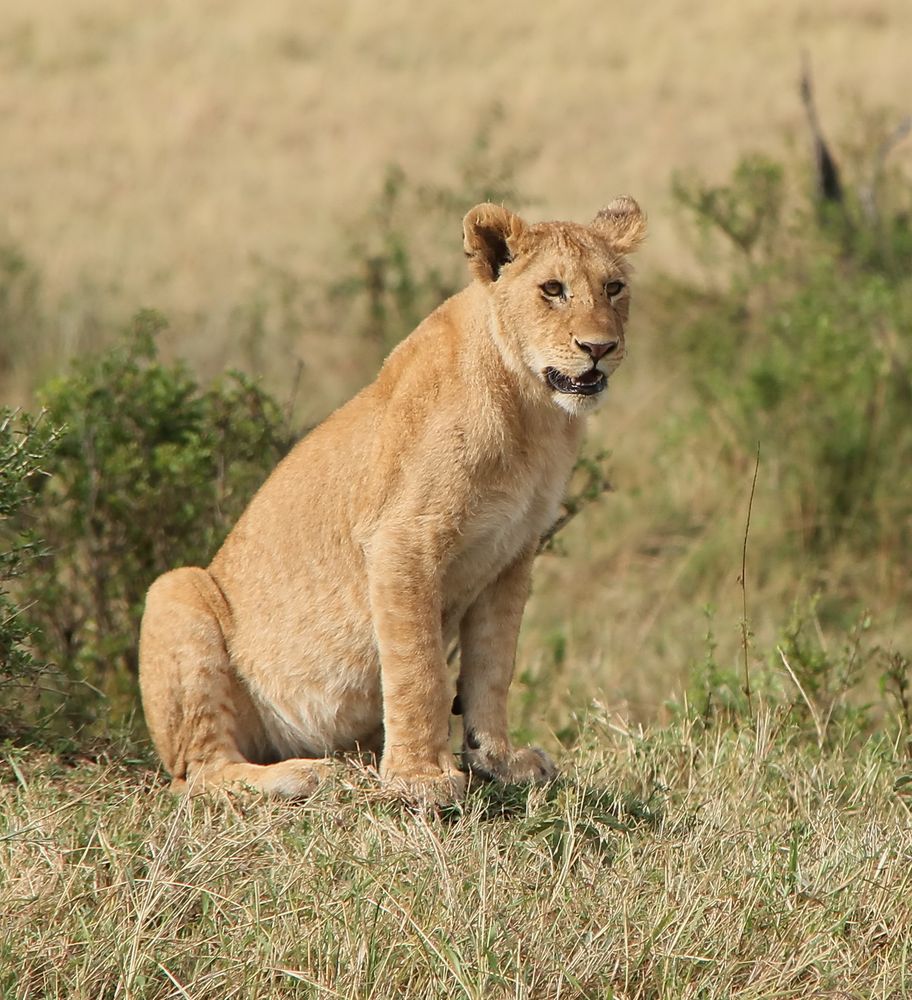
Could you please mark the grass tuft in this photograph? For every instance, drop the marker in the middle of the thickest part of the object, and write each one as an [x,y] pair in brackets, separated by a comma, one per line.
[678,861]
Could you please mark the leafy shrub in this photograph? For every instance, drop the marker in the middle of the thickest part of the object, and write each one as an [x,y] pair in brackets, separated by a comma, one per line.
[716,690]
[819,680]
[826,674]
[896,682]
[151,470]
[747,210]
[808,351]
[24,446]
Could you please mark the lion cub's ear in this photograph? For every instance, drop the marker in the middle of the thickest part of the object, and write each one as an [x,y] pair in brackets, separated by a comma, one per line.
[623,222]
[490,235]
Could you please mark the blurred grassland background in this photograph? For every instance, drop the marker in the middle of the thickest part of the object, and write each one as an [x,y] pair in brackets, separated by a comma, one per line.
[285,185]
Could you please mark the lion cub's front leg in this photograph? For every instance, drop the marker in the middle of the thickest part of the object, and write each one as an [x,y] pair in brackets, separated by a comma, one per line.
[406,603]
[488,635]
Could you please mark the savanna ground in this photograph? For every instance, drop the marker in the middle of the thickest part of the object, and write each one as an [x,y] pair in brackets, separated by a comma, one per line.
[287,190]
[678,863]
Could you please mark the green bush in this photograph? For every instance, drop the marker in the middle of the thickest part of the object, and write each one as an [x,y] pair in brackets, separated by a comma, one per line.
[151,470]
[24,446]
[807,350]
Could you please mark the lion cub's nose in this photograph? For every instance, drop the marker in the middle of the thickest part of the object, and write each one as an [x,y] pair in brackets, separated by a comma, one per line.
[599,350]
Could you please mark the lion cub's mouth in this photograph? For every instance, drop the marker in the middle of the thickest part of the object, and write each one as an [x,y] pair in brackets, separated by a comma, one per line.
[587,384]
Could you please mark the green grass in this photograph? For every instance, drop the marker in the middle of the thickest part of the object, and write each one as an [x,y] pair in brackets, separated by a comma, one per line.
[677,862]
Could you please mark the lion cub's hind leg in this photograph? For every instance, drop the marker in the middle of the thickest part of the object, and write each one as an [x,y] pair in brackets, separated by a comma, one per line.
[200,715]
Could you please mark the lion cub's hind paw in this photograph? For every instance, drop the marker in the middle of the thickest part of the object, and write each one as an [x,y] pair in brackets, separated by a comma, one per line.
[296,778]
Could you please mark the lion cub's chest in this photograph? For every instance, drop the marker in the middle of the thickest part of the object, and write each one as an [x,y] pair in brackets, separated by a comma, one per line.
[507,514]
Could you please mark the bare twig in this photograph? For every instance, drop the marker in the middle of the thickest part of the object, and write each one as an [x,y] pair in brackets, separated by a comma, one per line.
[293,395]
[745,632]
[819,725]
[555,528]
[891,142]
[869,193]
[829,186]
[596,485]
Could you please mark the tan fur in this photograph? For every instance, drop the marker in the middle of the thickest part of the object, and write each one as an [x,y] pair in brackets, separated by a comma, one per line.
[408,519]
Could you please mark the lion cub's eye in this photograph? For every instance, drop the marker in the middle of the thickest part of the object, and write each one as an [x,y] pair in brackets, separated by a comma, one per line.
[553,289]
[613,288]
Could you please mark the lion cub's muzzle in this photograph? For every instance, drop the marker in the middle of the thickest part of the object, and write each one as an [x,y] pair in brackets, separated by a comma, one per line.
[590,383]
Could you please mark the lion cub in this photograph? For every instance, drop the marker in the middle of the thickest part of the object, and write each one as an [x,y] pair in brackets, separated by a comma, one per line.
[408,519]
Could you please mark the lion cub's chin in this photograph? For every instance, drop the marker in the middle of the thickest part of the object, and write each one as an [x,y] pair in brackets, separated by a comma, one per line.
[579,406]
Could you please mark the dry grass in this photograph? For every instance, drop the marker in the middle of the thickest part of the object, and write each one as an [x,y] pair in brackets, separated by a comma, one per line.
[672,863]
[159,151]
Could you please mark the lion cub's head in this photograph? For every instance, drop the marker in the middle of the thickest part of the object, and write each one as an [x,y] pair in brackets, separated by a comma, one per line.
[559,294]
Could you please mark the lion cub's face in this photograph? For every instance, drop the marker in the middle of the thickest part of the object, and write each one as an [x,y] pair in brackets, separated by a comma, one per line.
[560,294]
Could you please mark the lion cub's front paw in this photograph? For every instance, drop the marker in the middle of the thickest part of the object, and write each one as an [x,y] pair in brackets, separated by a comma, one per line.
[426,788]
[508,765]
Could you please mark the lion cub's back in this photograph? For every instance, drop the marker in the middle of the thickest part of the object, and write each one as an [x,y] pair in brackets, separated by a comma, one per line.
[291,563]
